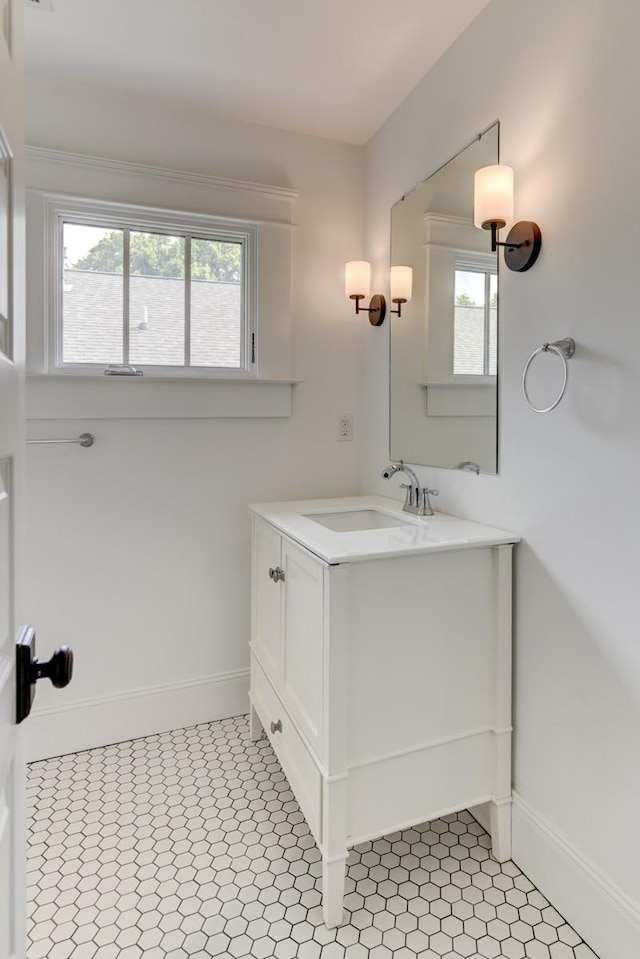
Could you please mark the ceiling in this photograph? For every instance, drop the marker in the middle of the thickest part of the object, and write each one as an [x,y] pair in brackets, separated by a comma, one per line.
[333,68]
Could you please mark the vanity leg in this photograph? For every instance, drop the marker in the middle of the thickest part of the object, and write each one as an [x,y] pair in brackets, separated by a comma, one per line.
[500,816]
[255,726]
[333,876]
[500,806]
[334,849]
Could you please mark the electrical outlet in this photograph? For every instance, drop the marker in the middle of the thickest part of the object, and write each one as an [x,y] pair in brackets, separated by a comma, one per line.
[345,428]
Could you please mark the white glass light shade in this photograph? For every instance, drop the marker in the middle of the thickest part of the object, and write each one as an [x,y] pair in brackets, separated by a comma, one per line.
[357,278]
[493,195]
[401,283]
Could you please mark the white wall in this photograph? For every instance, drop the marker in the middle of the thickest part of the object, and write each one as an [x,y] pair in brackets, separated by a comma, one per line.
[172,595]
[138,549]
[563,79]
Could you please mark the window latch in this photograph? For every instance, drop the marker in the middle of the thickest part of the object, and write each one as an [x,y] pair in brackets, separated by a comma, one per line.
[121,369]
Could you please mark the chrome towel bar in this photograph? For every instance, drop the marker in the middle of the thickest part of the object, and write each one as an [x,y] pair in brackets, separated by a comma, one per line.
[85,439]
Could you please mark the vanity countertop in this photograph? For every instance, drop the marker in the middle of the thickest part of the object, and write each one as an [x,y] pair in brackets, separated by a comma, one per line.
[417,534]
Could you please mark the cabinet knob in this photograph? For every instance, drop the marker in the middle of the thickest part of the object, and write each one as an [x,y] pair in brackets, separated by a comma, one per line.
[276,727]
[277,574]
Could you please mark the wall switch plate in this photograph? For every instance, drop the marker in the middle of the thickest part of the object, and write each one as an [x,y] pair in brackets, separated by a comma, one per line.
[345,428]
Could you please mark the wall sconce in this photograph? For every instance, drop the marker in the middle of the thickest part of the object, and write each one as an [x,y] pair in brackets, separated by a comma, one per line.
[493,209]
[401,282]
[357,284]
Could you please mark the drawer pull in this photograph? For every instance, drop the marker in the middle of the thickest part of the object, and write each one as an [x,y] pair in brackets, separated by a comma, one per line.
[276,727]
[277,574]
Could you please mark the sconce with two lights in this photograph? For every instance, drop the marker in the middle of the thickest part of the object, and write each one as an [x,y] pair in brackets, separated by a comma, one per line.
[357,285]
[493,209]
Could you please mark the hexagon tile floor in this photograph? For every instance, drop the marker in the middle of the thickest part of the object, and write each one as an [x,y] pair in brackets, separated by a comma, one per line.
[190,844]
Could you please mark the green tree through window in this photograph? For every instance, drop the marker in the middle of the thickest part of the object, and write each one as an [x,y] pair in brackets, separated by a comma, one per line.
[159,254]
[463,299]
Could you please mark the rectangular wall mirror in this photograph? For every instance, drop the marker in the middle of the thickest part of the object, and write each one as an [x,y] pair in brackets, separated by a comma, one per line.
[444,346]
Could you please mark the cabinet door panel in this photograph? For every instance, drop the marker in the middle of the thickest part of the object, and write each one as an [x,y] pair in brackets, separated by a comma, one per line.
[267,600]
[303,621]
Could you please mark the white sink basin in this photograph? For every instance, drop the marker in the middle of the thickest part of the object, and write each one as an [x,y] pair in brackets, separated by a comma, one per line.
[353,520]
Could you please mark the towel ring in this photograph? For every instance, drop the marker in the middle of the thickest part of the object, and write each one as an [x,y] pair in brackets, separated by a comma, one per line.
[564,349]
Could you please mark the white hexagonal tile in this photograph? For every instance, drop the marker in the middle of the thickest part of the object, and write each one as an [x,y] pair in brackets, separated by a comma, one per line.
[189,844]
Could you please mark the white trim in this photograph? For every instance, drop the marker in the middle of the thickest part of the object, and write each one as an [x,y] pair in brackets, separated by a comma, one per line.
[446,219]
[454,233]
[122,214]
[474,262]
[4,816]
[588,899]
[339,858]
[432,744]
[6,669]
[232,210]
[86,398]
[168,378]
[70,727]
[141,169]
[62,208]
[484,382]
[507,801]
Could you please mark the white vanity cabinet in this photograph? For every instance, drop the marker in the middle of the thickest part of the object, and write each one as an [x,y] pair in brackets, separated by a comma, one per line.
[381,673]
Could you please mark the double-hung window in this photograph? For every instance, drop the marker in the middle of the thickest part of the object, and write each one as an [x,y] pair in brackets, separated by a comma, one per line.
[151,291]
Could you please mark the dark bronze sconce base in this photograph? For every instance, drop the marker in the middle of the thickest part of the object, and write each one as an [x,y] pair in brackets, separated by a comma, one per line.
[377,308]
[522,246]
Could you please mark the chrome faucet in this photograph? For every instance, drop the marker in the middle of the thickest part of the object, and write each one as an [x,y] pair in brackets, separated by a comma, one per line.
[469,465]
[417,497]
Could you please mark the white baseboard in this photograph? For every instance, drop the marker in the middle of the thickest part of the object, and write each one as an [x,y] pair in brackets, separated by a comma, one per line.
[56,730]
[607,919]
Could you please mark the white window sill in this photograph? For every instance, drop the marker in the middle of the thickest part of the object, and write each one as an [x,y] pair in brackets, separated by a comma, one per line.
[470,398]
[464,381]
[85,396]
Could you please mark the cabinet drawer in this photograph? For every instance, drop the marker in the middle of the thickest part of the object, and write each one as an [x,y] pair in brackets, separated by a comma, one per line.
[298,766]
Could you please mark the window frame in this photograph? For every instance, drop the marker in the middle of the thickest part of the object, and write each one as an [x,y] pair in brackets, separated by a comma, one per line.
[486,264]
[134,217]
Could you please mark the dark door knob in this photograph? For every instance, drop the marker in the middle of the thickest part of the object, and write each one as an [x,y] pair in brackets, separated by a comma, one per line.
[59,669]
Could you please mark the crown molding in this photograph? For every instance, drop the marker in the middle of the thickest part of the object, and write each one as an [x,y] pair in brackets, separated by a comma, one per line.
[430,217]
[141,169]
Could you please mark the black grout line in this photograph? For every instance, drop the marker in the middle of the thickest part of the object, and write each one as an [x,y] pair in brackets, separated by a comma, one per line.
[211,814]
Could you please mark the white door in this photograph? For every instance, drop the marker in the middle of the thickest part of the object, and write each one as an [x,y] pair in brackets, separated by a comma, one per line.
[12,771]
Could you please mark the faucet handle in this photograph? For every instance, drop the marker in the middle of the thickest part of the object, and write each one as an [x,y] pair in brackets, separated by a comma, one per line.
[408,500]
[426,508]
